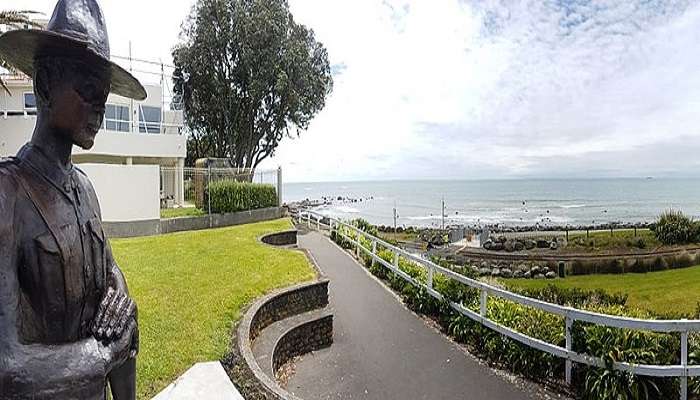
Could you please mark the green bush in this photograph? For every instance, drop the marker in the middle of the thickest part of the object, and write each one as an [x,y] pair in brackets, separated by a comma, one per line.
[674,227]
[229,196]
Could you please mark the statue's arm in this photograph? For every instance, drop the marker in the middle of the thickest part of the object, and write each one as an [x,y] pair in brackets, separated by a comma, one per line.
[35,368]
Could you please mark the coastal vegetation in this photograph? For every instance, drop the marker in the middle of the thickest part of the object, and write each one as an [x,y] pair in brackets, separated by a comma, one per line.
[610,344]
[675,228]
[191,287]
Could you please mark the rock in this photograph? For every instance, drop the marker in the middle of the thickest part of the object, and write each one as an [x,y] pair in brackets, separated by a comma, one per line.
[497,247]
[543,244]
[535,270]
[509,247]
[506,273]
[484,264]
[484,271]
[523,268]
[539,276]
[551,275]
[527,275]
[495,272]
[545,270]
[518,246]
[529,244]
[553,245]
[501,239]
[487,245]
[518,274]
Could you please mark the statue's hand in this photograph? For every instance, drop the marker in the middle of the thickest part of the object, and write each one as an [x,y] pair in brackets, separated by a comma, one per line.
[115,314]
[123,348]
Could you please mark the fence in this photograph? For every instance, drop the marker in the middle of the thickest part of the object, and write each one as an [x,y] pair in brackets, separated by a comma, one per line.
[571,315]
[186,188]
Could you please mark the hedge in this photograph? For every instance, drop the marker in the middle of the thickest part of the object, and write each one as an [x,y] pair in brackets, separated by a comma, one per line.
[230,196]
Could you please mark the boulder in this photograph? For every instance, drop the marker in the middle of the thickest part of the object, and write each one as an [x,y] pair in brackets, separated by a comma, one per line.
[545,270]
[501,239]
[484,271]
[539,276]
[518,274]
[554,245]
[535,270]
[551,275]
[543,244]
[529,244]
[523,268]
[497,247]
[484,264]
[509,246]
[527,275]
[518,246]
[487,245]
[506,273]
[496,272]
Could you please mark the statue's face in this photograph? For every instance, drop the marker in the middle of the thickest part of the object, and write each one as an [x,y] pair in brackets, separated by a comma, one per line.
[78,105]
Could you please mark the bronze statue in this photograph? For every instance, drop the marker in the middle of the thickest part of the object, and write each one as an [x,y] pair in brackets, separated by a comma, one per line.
[67,324]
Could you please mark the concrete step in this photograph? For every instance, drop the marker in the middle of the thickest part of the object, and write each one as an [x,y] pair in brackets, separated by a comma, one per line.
[264,344]
[202,381]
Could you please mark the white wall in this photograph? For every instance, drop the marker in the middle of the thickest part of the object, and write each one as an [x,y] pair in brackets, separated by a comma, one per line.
[126,192]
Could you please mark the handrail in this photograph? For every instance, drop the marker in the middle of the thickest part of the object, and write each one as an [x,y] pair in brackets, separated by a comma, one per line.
[570,314]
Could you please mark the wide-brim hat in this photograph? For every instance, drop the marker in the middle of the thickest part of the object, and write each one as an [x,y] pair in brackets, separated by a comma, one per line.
[77,29]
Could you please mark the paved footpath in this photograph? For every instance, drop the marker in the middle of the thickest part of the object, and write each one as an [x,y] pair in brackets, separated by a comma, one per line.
[381,349]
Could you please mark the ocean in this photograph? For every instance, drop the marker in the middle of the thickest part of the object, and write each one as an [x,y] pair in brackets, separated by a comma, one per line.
[525,202]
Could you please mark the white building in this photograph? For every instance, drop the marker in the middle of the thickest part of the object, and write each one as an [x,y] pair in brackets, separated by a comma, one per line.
[136,140]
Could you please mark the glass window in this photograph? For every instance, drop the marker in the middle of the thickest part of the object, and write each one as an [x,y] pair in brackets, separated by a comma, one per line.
[117,118]
[149,119]
[29,101]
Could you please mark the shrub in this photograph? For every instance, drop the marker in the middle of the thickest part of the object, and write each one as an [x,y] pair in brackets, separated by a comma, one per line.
[229,196]
[674,227]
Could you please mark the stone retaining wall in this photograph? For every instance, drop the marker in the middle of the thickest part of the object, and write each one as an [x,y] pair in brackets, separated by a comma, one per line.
[286,238]
[274,307]
[289,303]
[311,336]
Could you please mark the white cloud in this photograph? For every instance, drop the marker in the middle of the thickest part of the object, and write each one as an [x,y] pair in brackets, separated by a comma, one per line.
[480,88]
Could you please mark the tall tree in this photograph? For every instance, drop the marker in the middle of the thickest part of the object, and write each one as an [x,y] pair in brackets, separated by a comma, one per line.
[248,76]
[15,20]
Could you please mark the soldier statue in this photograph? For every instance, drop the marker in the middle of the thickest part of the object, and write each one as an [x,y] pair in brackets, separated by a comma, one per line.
[68,328]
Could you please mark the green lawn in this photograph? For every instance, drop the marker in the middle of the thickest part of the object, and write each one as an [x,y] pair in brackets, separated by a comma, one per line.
[661,292]
[181,212]
[192,286]
[619,240]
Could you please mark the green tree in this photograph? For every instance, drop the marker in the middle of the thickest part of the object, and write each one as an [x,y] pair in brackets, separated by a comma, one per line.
[247,76]
[15,20]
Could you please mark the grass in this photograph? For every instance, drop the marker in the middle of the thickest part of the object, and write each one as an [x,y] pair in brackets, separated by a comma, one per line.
[619,240]
[673,291]
[191,287]
[181,212]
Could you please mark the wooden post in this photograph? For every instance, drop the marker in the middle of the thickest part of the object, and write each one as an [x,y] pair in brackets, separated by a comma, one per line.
[568,364]
[374,251]
[484,298]
[684,363]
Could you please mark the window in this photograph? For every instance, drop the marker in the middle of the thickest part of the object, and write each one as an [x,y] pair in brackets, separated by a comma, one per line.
[149,119]
[117,118]
[29,101]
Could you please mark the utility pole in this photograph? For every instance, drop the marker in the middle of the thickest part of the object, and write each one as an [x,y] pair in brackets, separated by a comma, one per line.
[443,214]
[395,220]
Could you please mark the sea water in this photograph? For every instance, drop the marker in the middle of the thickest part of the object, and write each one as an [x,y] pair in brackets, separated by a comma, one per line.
[544,202]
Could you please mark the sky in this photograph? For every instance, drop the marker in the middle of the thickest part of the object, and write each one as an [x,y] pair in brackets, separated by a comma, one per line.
[459,89]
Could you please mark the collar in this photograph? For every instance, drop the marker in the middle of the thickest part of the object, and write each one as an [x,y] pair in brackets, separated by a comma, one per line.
[50,170]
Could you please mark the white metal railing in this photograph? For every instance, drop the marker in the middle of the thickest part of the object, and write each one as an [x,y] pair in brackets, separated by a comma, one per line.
[684,327]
